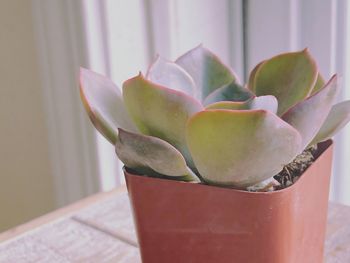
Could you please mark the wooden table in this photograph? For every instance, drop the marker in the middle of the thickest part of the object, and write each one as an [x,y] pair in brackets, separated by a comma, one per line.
[100,229]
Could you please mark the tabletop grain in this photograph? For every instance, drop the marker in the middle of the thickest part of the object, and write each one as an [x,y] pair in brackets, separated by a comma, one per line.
[100,229]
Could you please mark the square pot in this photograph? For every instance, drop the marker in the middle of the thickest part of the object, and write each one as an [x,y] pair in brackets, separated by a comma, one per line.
[190,222]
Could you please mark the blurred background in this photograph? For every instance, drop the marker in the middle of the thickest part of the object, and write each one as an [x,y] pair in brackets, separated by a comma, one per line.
[50,154]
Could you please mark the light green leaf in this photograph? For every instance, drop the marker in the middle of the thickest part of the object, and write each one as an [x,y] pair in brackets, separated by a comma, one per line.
[229,92]
[251,80]
[240,148]
[159,111]
[267,102]
[151,155]
[104,104]
[171,75]
[206,69]
[320,82]
[228,105]
[338,117]
[308,116]
[290,77]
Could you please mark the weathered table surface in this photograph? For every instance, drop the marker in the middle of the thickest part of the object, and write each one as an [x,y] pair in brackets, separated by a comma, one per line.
[100,229]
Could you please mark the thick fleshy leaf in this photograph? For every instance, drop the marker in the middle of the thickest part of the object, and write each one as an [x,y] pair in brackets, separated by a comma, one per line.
[267,102]
[103,101]
[338,117]
[252,74]
[240,148]
[308,116]
[159,111]
[171,75]
[228,105]
[206,69]
[320,82]
[290,77]
[229,92]
[151,155]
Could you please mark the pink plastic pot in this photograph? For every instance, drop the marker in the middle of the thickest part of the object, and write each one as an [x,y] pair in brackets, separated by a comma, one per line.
[186,222]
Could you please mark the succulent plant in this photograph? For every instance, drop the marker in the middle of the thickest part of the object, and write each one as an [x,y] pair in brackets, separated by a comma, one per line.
[192,119]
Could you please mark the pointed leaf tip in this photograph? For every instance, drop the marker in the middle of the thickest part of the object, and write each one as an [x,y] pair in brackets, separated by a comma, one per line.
[320,82]
[337,118]
[103,103]
[159,111]
[290,77]
[308,116]
[171,75]
[206,69]
[306,50]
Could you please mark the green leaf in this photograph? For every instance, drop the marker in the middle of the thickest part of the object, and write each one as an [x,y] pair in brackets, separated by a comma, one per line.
[308,116]
[159,111]
[206,69]
[104,104]
[240,148]
[229,92]
[171,75]
[320,82]
[267,102]
[251,80]
[338,117]
[228,105]
[290,77]
[151,155]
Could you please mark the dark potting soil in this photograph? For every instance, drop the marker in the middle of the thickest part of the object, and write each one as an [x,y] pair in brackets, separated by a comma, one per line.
[292,171]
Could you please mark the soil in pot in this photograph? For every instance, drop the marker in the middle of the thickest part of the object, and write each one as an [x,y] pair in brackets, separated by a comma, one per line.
[292,171]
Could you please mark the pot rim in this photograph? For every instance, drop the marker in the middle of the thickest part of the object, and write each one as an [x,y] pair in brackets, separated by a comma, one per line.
[327,144]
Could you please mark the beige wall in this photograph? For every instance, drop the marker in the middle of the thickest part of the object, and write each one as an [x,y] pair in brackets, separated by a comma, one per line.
[26,189]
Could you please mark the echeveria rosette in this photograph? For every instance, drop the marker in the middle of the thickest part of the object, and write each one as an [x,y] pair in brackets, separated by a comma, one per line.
[192,118]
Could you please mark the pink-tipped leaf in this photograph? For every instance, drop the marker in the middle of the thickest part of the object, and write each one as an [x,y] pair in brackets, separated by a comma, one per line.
[206,69]
[240,148]
[159,111]
[151,155]
[267,102]
[171,75]
[320,82]
[308,116]
[290,77]
[338,117]
[251,80]
[104,104]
